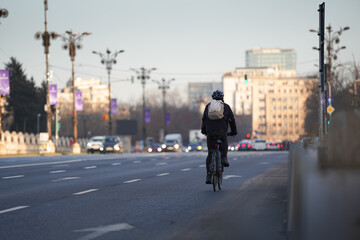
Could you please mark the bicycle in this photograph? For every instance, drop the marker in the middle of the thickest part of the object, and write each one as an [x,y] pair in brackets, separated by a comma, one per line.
[216,167]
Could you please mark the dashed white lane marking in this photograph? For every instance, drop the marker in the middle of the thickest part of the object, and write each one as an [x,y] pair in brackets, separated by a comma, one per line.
[202,165]
[84,192]
[162,163]
[132,181]
[234,159]
[62,165]
[99,231]
[12,209]
[231,176]
[64,179]
[116,164]
[137,161]
[167,157]
[162,174]
[185,169]
[90,167]
[58,171]
[154,159]
[264,163]
[10,177]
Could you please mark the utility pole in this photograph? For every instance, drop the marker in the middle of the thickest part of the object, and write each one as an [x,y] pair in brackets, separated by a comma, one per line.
[72,41]
[46,43]
[108,61]
[325,70]
[143,74]
[163,86]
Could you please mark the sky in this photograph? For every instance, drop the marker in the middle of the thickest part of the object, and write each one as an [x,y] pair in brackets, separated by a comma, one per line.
[188,40]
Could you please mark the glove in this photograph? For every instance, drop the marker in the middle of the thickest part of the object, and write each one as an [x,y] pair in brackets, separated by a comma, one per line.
[232,133]
[203,132]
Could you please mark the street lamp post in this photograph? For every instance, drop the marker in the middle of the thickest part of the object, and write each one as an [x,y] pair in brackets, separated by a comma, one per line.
[72,41]
[108,60]
[46,43]
[164,85]
[143,75]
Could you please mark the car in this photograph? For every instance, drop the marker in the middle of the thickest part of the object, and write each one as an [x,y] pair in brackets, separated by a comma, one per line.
[111,144]
[259,144]
[245,145]
[94,144]
[172,143]
[154,148]
[232,146]
[274,146]
[194,147]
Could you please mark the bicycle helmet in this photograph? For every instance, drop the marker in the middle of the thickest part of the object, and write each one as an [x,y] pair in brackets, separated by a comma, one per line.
[218,95]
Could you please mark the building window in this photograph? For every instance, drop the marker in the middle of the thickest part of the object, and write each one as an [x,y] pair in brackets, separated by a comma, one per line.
[285,107]
[284,100]
[279,99]
[271,91]
[273,99]
[279,133]
[274,116]
[279,116]
[262,109]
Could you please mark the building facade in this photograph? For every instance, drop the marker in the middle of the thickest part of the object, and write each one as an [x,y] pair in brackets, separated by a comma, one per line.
[285,59]
[275,98]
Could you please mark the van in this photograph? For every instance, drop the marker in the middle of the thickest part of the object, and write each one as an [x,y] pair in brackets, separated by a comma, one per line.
[259,144]
[172,143]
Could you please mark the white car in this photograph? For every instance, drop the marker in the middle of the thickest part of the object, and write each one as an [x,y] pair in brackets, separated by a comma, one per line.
[94,144]
[259,144]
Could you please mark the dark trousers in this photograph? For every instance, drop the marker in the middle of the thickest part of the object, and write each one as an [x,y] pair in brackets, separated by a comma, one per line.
[211,140]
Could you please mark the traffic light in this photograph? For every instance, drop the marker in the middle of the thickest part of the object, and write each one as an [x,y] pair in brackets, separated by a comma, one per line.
[247,136]
[246,80]
[328,122]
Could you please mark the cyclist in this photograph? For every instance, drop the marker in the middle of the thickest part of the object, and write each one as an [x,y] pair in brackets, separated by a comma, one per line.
[218,129]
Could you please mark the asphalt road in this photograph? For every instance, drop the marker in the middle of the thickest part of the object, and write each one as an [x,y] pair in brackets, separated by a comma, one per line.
[142,196]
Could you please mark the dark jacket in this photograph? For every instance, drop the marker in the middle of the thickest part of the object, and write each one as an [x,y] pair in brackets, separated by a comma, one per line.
[209,125]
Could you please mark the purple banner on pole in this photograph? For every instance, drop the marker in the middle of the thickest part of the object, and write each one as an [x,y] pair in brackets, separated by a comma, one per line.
[53,94]
[113,106]
[167,118]
[78,101]
[4,82]
[147,115]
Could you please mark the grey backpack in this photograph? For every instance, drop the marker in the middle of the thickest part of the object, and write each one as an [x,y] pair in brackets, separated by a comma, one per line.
[216,109]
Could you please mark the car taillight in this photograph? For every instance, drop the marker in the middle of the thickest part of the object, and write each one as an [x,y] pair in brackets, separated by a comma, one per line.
[248,146]
[238,146]
[278,145]
[273,143]
[268,145]
[281,146]
[243,145]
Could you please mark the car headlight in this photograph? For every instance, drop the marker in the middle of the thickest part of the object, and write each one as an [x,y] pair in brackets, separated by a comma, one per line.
[88,144]
[102,148]
[199,147]
[159,149]
[149,150]
[189,148]
[117,147]
[176,146]
[163,146]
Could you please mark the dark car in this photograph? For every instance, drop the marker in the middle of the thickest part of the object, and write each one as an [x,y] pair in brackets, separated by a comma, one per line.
[155,147]
[245,145]
[111,144]
[194,147]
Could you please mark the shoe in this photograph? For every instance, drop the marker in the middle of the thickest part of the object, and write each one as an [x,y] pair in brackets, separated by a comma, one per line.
[208,178]
[225,162]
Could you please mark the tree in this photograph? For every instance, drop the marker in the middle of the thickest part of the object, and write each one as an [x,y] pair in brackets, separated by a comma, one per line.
[24,101]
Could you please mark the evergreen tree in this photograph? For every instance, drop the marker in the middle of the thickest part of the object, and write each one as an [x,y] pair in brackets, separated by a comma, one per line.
[23,101]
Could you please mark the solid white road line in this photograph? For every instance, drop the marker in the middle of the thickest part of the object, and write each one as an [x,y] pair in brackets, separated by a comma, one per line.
[185,169]
[64,179]
[116,164]
[58,171]
[90,167]
[137,161]
[10,177]
[12,209]
[202,165]
[265,163]
[87,191]
[132,181]
[162,174]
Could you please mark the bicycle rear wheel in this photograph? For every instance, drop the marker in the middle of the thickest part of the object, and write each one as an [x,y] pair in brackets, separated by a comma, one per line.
[219,170]
[214,179]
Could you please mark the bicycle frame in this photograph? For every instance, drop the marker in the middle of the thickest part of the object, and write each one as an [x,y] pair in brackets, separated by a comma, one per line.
[216,167]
